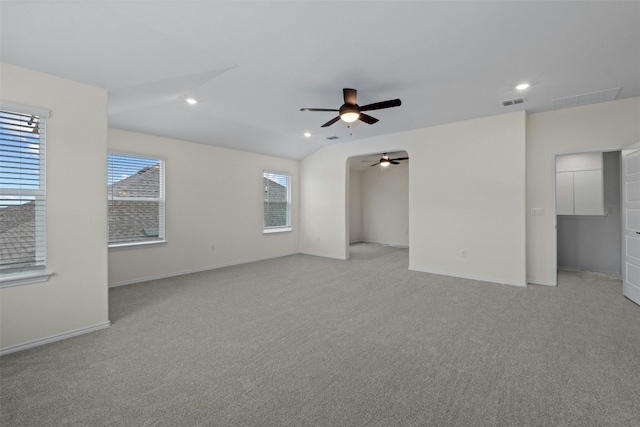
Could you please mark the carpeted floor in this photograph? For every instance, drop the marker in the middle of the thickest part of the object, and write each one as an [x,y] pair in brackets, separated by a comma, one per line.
[308,341]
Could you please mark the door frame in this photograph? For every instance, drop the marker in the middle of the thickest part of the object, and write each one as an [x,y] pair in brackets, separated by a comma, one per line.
[554,221]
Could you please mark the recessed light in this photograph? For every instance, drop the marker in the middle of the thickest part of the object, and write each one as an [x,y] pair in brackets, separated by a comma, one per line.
[307,134]
[522,86]
[191,101]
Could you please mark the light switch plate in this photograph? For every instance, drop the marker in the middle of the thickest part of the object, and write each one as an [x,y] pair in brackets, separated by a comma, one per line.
[537,211]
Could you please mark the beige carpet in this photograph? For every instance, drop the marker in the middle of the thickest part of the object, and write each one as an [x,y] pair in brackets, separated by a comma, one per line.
[308,341]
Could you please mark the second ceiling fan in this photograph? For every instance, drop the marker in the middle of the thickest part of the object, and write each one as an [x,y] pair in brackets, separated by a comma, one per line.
[386,161]
[350,111]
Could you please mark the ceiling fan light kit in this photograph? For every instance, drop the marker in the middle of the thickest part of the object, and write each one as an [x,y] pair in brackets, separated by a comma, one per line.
[349,112]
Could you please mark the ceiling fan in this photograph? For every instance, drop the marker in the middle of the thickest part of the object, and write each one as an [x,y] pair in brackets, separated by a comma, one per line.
[386,161]
[350,111]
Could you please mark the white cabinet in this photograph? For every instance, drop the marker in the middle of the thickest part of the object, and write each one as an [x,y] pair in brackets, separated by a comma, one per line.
[579,184]
[564,193]
[588,195]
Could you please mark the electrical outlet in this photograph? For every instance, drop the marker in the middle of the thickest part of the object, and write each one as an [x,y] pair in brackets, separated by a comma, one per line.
[463,253]
[213,248]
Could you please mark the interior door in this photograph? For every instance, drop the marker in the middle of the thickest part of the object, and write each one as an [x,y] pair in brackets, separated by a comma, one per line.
[631,222]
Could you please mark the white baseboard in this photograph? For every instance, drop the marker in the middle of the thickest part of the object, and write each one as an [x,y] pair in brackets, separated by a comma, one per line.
[323,255]
[553,283]
[54,338]
[194,270]
[613,274]
[542,283]
[481,279]
[393,245]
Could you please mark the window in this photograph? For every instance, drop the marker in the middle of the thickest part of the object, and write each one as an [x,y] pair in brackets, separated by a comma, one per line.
[22,193]
[135,192]
[277,202]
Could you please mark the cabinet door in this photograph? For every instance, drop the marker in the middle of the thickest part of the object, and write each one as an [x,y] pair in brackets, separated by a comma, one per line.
[588,193]
[564,193]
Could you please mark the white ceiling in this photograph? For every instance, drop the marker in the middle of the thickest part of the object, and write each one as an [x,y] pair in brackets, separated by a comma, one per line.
[253,65]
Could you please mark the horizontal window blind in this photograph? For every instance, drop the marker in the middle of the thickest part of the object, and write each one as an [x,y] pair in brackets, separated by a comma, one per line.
[22,192]
[136,205]
[277,200]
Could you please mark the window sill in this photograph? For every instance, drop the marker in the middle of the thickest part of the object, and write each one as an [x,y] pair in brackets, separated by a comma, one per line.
[276,230]
[136,245]
[24,279]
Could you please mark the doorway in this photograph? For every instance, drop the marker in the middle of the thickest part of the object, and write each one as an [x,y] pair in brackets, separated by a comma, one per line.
[589,237]
[378,200]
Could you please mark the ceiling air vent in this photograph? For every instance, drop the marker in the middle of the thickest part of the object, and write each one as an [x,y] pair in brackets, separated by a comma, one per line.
[515,101]
[331,138]
[586,98]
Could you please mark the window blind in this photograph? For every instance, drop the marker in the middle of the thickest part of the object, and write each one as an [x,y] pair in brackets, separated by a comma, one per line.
[135,191]
[22,191]
[277,201]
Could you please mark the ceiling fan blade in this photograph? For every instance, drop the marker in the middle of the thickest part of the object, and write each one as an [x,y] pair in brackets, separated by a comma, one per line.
[400,158]
[375,164]
[367,119]
[317,109]
[330,122]
[394,163]
[350,95]
[381,105]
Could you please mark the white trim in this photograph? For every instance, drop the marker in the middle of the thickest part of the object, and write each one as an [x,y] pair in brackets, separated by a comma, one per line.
[542,283]
[325,255]
[272,230]
[391,245]
[481,279]
[54,338]
[24,109]
[133,245]
[194,270]
[23,279]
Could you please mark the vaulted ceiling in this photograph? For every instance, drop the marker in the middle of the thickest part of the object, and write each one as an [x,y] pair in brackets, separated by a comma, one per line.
[253,65]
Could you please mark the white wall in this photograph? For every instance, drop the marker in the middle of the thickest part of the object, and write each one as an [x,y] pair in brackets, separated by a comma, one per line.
[466,192]
[323,203]
[385,204]
[355,207]
[214,196]
[75,297]
[610,125]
